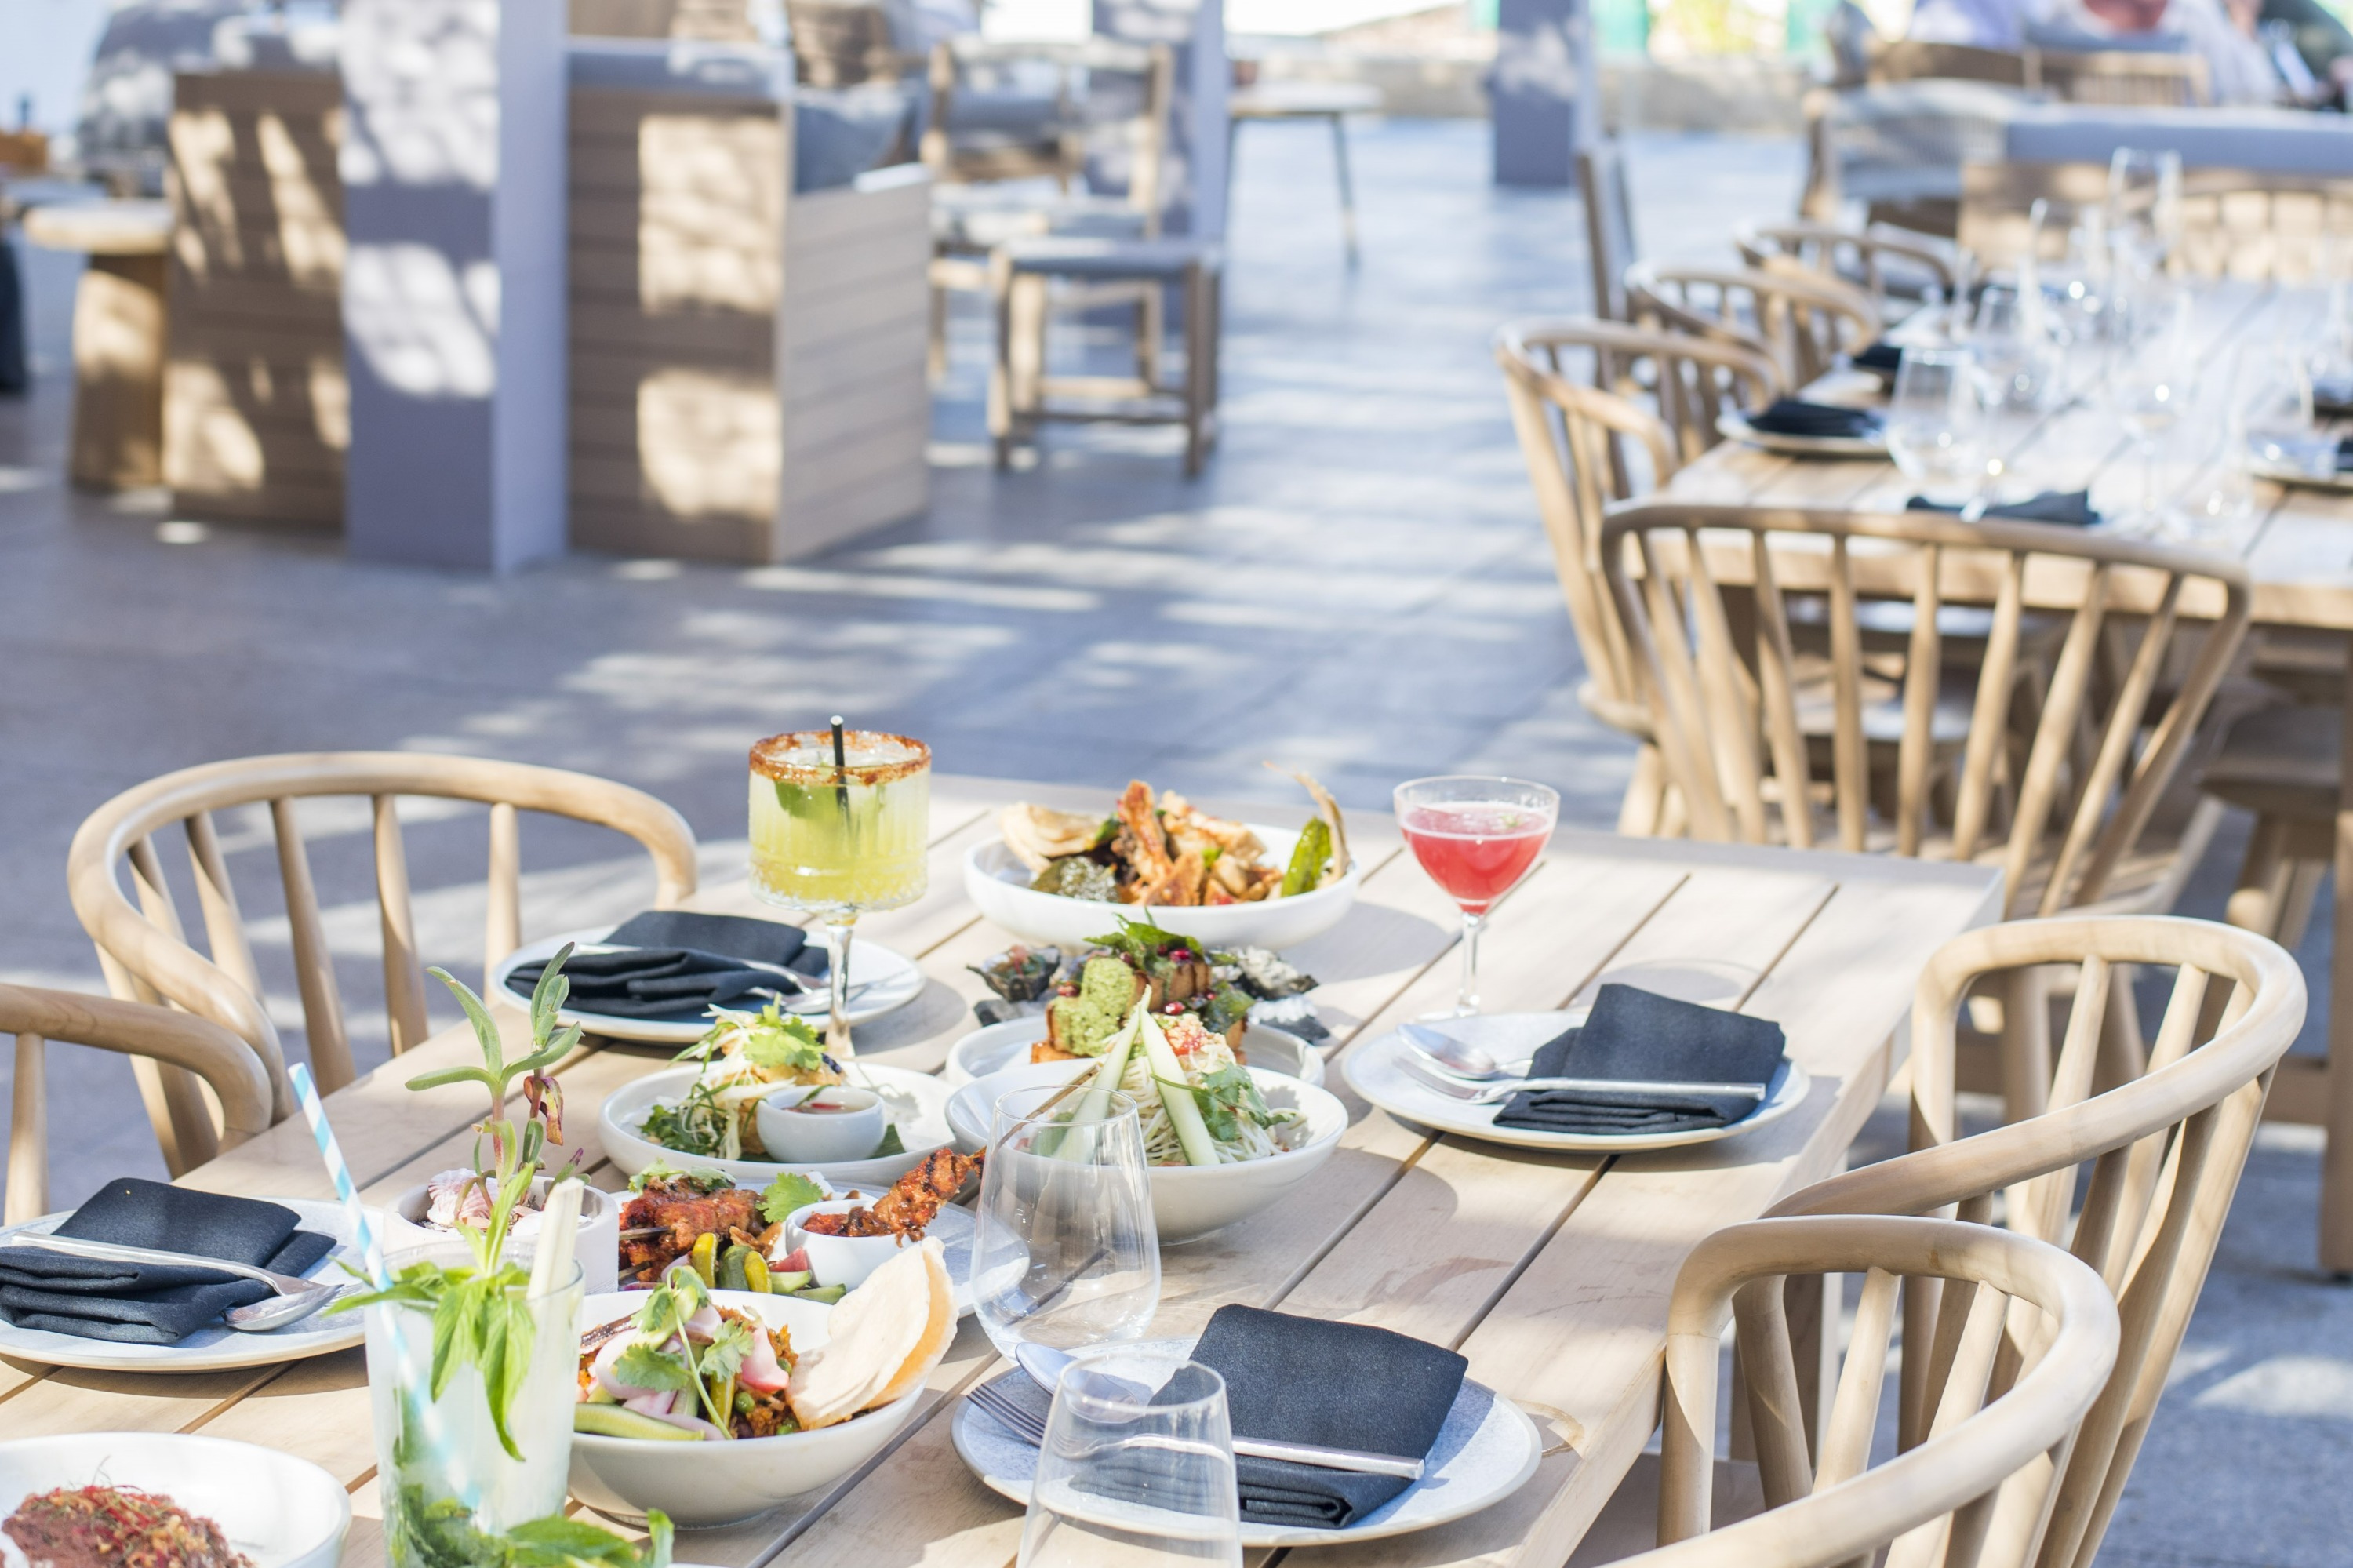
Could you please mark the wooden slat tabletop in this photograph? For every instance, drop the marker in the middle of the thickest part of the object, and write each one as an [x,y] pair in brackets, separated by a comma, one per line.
[1549,1272]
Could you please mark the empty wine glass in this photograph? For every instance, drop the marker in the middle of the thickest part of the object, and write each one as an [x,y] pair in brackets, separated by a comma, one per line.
[2143,206]
[1065,1251]
[1137,1467]
[2010,349]
[2151,387]
[1933,428]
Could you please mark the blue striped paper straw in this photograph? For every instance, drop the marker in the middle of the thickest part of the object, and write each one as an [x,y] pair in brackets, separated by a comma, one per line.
[371,1251]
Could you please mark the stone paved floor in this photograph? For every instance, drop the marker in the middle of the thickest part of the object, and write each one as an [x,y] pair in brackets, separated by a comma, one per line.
[1357,586]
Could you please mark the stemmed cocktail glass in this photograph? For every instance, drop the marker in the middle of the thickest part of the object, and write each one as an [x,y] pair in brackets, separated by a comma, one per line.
[838,823]
[1476,838]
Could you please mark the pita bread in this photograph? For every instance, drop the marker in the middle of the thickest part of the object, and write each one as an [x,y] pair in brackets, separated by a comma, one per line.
[884,1336]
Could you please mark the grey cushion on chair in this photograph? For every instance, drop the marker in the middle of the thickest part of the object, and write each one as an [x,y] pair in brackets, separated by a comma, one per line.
[1109,259]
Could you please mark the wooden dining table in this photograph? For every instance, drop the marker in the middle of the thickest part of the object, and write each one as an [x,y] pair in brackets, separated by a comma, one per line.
[2296,541]
[1549,1271]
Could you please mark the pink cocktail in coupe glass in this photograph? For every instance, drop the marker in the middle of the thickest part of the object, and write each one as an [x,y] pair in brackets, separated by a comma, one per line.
[1476,838]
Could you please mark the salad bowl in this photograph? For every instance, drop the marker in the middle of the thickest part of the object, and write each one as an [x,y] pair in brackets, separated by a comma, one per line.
[279,1510]
[917,1103]
[1189,1202]
[1002,1045]
[997,882]
[704,1484]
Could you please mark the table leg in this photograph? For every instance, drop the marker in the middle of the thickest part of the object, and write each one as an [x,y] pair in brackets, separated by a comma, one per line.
[2336,1156]
[117,347]
[1347,187]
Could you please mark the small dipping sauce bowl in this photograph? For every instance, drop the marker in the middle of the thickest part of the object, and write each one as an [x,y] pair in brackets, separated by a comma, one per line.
[826,1125]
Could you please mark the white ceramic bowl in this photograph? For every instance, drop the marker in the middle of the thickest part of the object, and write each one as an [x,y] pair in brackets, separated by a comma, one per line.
[711,1483]
[599,1248]
[998,885]
[852,1131]
[1188,1201]
[1002,1045]
[838,1260]
[281,1512]
[918,1103]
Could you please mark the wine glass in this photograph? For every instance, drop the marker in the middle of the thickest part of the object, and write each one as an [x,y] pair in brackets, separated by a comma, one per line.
[2151,385]
[1066,1252]
[841,819]
[2143,206]
[1137,1467]
[1476,838]
[1933,429]
[2010,348]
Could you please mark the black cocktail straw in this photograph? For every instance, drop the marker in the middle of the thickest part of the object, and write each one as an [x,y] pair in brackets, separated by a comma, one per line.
[840,769]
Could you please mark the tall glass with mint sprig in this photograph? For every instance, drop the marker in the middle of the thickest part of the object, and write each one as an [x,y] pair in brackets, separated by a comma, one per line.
[471,1374]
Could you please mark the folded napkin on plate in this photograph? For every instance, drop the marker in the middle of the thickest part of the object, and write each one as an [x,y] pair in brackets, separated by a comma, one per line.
[151,1304]
[1796,417]
[2071,508]
[2345,453]
[1882,359]
[674,963]
[2332,395]
[1633,1034]
[1301,1379]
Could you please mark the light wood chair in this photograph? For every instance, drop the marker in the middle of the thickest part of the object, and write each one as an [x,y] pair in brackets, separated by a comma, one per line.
[1896,269]
[226,1064]
[1646,406]
[2164,1128]
[1801,321]
[1913,59]
[1609,243]
[2056,775]
[1974,1493]
[2150,79]
[840,43]
[2251,225]
[147,956]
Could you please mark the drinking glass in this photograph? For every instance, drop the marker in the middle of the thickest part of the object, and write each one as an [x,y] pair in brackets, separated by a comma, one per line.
[2144,207]
[1933,429]
[2151,385]
[2010,348]
[840,819]
[1137,1468]
[1065,1251]
[1476,838]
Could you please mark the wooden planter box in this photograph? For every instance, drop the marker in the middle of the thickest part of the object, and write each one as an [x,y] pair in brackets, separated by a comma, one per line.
[747,363]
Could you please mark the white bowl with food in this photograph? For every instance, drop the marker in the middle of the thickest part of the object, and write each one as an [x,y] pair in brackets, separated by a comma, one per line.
[1002,1045]
[1161,859]
[1188,1201]
[272,1508]
[822,1126]
[836,1258]
[419,1217]
[916,1104]
[849,1377]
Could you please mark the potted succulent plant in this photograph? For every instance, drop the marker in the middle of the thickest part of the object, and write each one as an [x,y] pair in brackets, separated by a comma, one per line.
[473,1354]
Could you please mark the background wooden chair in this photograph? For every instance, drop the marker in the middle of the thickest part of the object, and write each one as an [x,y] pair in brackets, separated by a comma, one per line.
[2164,1128]
[1896,269]
[2142,76]
[836,43]
[1801,321]
[2254,225]
[1610,247]
[1915,59]
[226,1064]
[2058,778]
[147,956]
[1646,404]
[1974,1492]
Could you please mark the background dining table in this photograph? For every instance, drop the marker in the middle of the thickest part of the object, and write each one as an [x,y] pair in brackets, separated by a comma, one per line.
[2296,541]
[1549,1271]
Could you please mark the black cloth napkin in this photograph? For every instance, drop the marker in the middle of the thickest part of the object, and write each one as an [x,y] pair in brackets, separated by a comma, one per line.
[2070,508]
[2345,452]
[1796,417]
[149,1304]
[675,964]
[1882,359]
[1633,1034]
[2332,396]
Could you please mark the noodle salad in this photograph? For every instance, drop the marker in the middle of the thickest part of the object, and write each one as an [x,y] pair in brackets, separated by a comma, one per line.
[1198,1104]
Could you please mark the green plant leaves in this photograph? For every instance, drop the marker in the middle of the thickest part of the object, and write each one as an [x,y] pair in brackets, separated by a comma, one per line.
[789,1192]
[643,1366]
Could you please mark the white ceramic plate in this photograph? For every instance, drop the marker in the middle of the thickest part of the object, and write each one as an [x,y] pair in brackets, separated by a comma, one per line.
[713,1483]
[2311,465]
[1485,1452]
[281,1512]
[1373,1070]
[1187,1202]
[1739,430]
[216,1348]
[1002,1045]
[891,980]
[918,1103]
[952,1226]
[998,883]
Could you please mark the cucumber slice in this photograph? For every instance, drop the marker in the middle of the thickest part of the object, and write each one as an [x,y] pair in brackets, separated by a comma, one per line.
[786,1283]
[1109,1069]
[1184,1111]
[732,1275]
[616,1421]
[828,1294]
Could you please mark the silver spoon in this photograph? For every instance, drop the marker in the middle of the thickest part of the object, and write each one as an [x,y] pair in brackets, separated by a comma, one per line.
[1462,1060]
[294,1301]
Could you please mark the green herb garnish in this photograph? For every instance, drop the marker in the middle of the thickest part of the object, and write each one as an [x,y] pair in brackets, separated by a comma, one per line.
[787,1192]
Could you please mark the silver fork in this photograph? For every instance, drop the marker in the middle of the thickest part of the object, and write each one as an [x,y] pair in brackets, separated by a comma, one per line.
[1026,1425]
[1489,1094]
[292,1300]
